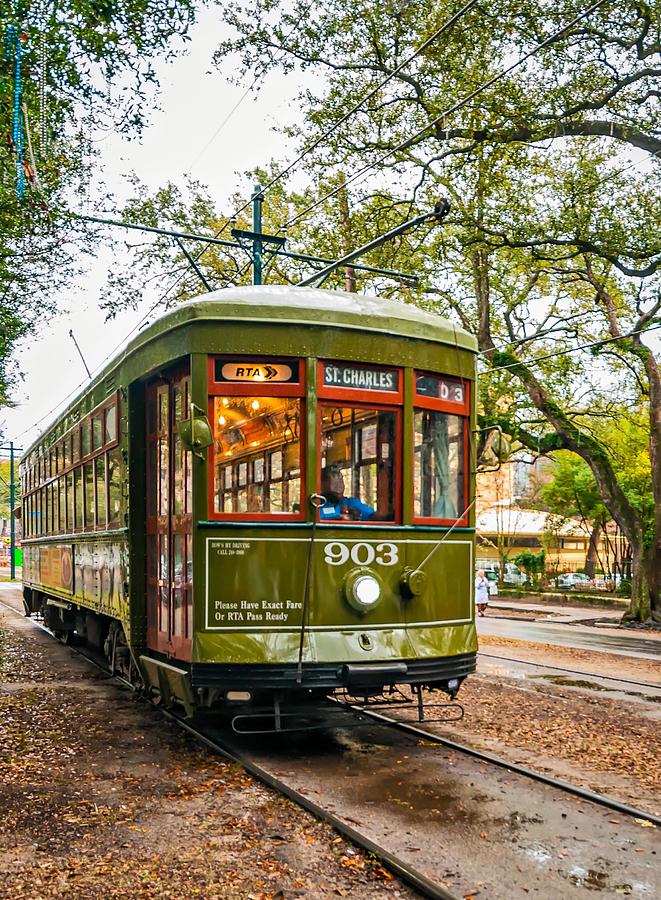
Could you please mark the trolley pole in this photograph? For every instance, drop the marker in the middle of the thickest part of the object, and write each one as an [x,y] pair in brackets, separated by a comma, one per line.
[12,525]
[257,200]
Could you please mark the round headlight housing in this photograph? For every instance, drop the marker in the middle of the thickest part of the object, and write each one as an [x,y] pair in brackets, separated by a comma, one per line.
[363,590]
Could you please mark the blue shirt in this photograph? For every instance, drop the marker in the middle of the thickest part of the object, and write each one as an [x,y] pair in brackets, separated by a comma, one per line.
[351,504]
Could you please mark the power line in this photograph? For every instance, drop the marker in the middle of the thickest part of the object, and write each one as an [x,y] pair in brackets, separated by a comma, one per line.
[371,93]
[535,337]
[601,343]
[439,31]
[222,124]
[452,109]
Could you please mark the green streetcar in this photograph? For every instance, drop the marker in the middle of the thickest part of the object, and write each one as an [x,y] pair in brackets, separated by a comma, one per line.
[266,498]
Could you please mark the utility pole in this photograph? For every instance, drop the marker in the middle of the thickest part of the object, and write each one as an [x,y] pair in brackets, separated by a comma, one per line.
[12,526]
[257,200]
[345,224]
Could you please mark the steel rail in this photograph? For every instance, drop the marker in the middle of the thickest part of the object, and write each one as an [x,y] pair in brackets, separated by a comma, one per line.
[408,874]
[564,786]
[398,867]
[645,684]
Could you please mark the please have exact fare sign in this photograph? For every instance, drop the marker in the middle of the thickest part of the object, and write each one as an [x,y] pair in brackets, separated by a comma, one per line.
[360,378]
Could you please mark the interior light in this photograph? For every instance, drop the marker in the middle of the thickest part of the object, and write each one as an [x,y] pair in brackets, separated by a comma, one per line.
[225,401]
[255,444]
[255,404]
[222,420]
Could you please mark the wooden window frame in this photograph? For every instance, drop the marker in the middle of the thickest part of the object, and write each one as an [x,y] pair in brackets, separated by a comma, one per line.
[421,402]
[290,389]
[351,401]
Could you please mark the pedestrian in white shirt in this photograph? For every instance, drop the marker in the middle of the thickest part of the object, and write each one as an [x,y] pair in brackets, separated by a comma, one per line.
[481,592]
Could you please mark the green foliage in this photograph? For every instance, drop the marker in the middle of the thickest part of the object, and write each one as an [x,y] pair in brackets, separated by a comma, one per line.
[99,74]
[5,492]
[573,490]
[533,564]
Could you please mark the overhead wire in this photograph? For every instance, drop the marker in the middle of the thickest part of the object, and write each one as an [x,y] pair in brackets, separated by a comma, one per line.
[537,359]
[222,124]
[427,43]
[438,119]
[455,107]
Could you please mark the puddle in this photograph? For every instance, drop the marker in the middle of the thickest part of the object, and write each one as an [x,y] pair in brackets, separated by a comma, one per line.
[563,681]
[416,800]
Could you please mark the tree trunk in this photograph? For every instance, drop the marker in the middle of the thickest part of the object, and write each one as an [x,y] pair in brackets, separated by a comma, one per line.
[646,573]
[593,549]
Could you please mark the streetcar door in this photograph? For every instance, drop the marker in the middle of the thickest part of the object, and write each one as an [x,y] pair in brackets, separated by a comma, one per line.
[169,518]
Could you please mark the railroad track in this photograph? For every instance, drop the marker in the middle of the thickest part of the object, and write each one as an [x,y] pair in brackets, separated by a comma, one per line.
[395,865]
[399,867]
[643,684]
[565,786]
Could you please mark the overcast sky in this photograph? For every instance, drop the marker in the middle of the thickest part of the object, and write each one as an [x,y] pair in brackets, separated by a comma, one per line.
[194,102]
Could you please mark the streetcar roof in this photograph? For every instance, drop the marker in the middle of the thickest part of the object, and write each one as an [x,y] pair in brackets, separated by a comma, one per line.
[338,309]
[292,305]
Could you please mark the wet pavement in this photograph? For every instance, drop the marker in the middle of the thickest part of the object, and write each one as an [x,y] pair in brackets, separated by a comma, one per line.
[578,636]
[646,696]
[465,823]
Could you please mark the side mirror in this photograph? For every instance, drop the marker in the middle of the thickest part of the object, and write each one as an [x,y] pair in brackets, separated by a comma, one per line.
[195,433]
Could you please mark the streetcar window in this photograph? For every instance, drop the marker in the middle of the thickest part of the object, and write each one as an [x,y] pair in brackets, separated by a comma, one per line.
[69,500]
[88,479]
[100,477]
[97,432]
[75,445]
[85,438]
[114,489]
[257,455]
[358,463]
[438,465]
[111,424]
[61,516]
[78,493]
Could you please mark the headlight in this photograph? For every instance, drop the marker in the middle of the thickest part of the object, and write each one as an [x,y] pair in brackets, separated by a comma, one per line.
[366,590]
[362,589]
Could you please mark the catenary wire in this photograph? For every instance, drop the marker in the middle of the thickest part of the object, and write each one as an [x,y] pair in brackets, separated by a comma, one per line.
[366,168]
[452,109]
[368,96]
[439,31]
[222,124]
[546,356]
[534,337]
[344,118]
[356,106]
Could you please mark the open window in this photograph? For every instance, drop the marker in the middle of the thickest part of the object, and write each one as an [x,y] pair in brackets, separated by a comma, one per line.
[359,441]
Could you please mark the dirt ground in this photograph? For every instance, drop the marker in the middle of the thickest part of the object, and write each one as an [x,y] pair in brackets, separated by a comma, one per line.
[102,798]
[596,738]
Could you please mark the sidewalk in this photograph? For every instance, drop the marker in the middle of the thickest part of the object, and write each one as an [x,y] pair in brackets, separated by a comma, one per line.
[560,614]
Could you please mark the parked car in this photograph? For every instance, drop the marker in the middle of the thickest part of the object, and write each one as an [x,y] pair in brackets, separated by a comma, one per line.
[492,579]
[573,581]
[514,575]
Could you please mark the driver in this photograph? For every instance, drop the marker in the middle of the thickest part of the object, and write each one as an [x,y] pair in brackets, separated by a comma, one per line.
[337,506]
